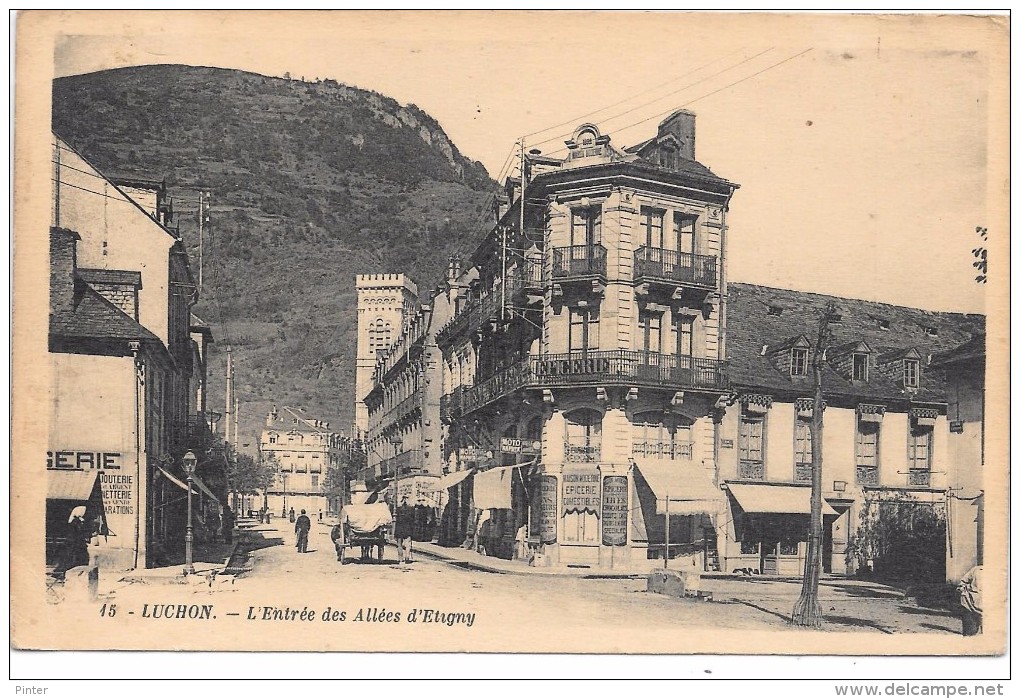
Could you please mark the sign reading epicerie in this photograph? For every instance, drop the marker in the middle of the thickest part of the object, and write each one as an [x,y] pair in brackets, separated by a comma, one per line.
[581,492]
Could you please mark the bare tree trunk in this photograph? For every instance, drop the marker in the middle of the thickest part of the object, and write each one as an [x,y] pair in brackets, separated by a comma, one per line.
[807,611]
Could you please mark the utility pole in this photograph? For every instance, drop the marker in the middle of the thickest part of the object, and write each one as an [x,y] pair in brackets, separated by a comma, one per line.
[201,236]
[807,611]
[228,422]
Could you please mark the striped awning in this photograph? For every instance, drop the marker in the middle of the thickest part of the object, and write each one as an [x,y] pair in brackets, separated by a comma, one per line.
[70,485]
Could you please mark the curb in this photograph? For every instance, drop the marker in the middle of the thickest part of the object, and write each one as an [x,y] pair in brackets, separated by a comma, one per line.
[485,568]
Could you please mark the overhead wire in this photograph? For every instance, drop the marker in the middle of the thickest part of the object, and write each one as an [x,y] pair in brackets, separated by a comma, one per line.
[669,94]
[576,119]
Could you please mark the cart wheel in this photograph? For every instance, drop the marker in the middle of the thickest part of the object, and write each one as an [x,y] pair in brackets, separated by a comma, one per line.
[380,554]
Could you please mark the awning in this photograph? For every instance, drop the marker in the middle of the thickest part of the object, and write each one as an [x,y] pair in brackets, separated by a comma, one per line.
[492,488]
[687,486]
[174,479]
[202,486]
[775,499]
[450,479]
[70,485]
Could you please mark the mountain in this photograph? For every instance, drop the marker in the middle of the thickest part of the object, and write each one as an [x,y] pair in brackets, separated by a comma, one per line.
[311,182]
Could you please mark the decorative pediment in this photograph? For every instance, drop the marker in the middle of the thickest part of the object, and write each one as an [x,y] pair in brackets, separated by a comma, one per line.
[870,412]
[923,416]
[805,407]
[756,402]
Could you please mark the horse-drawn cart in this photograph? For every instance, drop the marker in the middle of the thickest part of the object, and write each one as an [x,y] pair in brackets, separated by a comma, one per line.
[364,526]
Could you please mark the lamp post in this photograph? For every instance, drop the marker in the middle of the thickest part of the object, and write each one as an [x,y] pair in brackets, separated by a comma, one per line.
[189,468]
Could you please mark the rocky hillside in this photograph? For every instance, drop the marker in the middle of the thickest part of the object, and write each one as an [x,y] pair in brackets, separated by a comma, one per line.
[311,183]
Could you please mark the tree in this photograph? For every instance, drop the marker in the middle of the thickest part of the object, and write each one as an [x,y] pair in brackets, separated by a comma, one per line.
[981,257]
[249,476]
[807,611]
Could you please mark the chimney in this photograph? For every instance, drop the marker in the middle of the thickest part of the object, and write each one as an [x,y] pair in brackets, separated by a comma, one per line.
[680,125]
[63,262]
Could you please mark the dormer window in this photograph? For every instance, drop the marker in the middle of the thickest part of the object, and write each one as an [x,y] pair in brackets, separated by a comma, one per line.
[775,310]
[798,362]
[931,330]
[860,366]
[883,323]
[911,373]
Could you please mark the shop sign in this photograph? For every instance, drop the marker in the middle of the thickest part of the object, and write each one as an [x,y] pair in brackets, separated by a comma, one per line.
[581,492]
[543,509]
[72,459]
[417,491]
[614,511]
[474,454]
[513,445]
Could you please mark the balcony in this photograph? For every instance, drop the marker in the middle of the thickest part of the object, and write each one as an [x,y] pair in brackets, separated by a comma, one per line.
[450,405]
[920,478]
[601,368]
[579,262]
[803,472]
[664,449]
[672,267]
[867,475]
[752,470]
[403,464]
[579,452]
[526,278]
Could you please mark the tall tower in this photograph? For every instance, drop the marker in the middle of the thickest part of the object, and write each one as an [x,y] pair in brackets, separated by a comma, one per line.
[384,302]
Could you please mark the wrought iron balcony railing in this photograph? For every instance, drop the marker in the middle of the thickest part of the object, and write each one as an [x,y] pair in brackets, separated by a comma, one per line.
[671,266]
[867,475]
[920,478]
[752,470]
[600,367]
[407,462]
[579,261]
[664,449]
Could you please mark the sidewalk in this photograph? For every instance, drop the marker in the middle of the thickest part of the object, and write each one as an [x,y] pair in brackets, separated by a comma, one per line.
[209,559]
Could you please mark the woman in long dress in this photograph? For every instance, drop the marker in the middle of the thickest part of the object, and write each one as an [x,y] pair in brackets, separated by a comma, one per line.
[76,547]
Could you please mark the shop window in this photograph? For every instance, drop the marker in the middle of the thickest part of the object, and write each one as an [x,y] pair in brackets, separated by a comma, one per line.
[789,548]
[749,548]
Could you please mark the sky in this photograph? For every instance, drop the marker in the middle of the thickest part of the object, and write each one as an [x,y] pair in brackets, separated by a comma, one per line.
[860,144]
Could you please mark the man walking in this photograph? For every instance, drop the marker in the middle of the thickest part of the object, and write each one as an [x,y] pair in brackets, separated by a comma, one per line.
[301,528]
[228,525]
[402,529]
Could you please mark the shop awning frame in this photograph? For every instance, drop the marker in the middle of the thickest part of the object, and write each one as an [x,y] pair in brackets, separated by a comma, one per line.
[680,487]
[70,485]
[764,498]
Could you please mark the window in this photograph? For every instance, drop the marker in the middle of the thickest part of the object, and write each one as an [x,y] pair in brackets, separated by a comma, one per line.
[683,331]
[584,435]
[586,226]
[860,366]
[651,222]
[867,451]
[650,331]
[919,448]
[802,449]
[315,481]
[798,361]
[911,373]
[752,444]
[272,439]
[775,310]
[584,329]
[683,227]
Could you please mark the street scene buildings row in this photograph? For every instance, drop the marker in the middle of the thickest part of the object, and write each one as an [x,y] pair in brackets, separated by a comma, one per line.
[588,387]
[127,370]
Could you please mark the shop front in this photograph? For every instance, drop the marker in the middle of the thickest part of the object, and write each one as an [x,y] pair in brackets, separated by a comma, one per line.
[768,528]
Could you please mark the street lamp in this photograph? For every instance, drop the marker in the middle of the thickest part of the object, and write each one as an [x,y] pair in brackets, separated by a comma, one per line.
[189,468]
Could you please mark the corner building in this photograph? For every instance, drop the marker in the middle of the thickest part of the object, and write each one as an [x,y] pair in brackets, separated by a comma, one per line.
[583,363]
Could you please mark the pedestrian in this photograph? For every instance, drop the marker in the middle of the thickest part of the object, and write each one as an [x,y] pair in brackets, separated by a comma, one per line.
[970,601]
[228,525]
[292,515]
[403,527]
[336,535]
[301,528]
[269,517]
[320,515]
[76,546]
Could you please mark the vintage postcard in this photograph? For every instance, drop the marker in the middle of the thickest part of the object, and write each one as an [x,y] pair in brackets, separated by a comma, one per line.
[514,332]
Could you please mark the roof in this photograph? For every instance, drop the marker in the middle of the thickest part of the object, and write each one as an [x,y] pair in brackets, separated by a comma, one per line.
[969,352]
[110,276]
[96,318]
[750,326]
